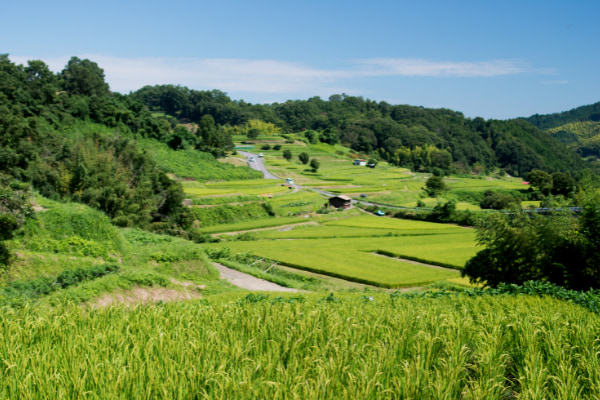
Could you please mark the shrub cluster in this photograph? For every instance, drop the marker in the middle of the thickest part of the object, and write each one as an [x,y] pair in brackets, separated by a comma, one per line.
[17,292]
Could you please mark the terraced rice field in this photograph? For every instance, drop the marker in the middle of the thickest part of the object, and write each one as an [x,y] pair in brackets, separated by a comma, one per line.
[352,248]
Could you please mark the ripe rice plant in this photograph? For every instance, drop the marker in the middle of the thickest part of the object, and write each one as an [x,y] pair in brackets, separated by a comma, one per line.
[305,347]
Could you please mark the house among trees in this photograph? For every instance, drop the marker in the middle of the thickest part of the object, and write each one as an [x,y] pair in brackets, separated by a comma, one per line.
[340,201]
[360,162]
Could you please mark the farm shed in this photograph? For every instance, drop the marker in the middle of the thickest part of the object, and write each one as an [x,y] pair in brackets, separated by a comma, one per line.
[340,202]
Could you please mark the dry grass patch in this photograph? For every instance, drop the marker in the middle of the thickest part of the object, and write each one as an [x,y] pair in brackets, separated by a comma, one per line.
[146,295]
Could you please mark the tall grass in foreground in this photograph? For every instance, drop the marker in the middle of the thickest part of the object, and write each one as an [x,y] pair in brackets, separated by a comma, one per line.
[305,348]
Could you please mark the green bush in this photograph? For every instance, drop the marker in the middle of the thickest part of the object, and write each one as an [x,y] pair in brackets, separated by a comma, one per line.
[164,257]
[144,237]
[71,220]
[18,292]
[71,245]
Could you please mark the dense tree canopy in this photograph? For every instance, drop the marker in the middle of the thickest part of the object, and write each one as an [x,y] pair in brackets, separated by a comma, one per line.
[584,113]
[107,171]
[561,248]
[83,78]
[14,210]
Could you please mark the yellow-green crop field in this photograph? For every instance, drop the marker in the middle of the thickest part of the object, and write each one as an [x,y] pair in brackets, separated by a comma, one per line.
[251,188]
[360,259]
[249,225]
[270,190]
[333,231]
[304,347]
[370,221]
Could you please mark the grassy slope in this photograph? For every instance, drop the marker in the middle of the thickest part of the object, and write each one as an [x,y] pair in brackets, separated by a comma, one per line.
[193,164]
[353,241]
[69,237]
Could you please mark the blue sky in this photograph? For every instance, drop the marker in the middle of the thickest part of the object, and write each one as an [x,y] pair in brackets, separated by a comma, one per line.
[494,59]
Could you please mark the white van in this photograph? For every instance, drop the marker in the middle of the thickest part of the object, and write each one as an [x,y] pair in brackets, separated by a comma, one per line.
[289,181]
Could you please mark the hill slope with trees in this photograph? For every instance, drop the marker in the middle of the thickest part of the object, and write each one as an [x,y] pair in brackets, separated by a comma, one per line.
[584,113]
[408,136]
[71,138]
[578,129]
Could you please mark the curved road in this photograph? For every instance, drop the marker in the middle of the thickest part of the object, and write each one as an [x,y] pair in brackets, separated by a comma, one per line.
[257,164]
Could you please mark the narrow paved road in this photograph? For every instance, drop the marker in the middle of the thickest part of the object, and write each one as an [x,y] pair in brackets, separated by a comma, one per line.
[257,164]
[249,282]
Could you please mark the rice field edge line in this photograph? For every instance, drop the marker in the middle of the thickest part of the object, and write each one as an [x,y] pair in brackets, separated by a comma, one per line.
[415,260]
[356,279]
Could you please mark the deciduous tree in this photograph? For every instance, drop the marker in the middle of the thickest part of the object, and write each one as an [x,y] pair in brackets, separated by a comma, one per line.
[558,248]
[14,210]
[84,77]
[435,185]
[315,164]
[287,154]
[304,157]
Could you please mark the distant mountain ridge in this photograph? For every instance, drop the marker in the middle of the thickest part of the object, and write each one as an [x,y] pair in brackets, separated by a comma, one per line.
[578,129]
[584,113]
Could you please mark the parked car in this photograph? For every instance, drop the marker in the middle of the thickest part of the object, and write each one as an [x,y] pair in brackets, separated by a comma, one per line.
[260,154]
[289,181]
[251,159]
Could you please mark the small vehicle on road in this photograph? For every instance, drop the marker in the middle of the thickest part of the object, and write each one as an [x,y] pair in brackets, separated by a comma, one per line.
[289,181]
[251,159]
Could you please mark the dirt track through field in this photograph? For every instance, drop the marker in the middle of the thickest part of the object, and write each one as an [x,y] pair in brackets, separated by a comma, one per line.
[249,282]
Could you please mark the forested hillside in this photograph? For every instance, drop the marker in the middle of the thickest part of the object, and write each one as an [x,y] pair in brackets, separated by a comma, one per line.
[584,113]
[579,128]
[408,136]
[71,138]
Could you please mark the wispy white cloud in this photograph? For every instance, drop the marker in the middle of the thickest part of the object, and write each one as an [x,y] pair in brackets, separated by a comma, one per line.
[419,67]
[261,76]
[272,76]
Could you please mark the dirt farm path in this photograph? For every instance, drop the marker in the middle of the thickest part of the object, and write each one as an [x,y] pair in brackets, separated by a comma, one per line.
[249,282]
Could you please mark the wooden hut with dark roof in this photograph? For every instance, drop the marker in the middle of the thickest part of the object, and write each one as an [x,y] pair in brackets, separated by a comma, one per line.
[340,201]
